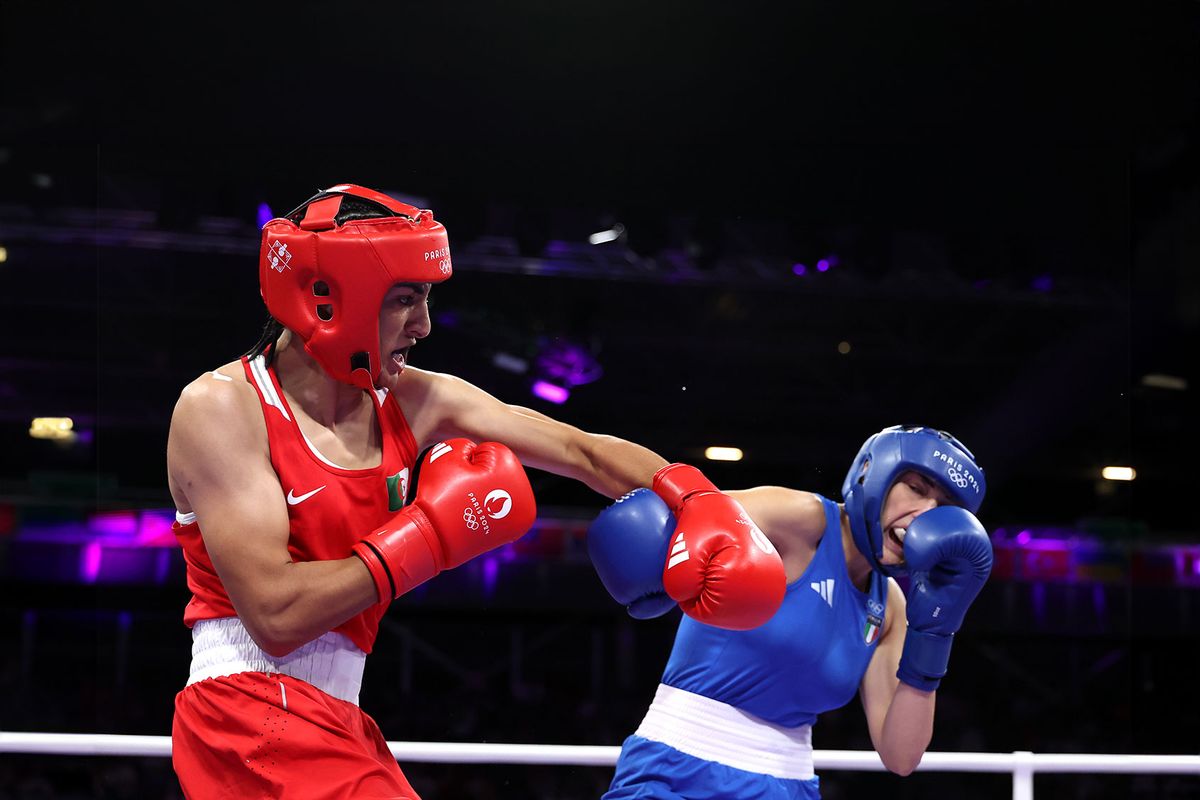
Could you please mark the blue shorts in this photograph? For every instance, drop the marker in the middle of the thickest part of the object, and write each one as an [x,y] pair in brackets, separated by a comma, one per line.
[649,770]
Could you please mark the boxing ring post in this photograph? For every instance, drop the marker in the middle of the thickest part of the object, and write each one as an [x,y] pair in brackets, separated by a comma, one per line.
[1022,764]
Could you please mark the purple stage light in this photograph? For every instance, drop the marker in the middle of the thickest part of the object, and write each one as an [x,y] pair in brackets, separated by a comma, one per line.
[823,265]
[1042,283]
[550,392]
[567,364]
[799,269]
[114,524]
[154,528]
[1024,537]
[491,572]
[265,214]
[89,565]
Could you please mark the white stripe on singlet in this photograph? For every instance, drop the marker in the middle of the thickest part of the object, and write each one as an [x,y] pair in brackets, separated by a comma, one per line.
[332,663]
[258,368]
[716,731]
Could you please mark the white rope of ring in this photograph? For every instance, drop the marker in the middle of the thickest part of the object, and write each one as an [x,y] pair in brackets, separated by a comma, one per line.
[98,744]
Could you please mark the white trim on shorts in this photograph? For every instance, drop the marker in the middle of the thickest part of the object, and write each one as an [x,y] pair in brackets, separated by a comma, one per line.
[332,663]
[714,731]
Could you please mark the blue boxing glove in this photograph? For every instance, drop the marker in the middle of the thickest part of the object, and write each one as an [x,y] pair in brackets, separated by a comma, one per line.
[949,556]
[628,546]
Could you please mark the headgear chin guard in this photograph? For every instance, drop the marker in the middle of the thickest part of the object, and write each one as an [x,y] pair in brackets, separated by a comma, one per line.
[323,274]
[883,457]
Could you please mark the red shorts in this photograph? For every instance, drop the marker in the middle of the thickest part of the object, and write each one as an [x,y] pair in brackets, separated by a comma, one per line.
[254,735]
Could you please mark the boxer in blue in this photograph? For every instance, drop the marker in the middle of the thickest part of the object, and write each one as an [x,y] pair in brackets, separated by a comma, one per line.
[733,715]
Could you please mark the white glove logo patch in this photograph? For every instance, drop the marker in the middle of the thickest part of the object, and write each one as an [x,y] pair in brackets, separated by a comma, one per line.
[497,504]
[679,552]
[440,449]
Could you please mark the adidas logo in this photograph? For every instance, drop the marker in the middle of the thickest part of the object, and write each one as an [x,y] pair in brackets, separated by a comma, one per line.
[825,589]
[440,449]
[679,552]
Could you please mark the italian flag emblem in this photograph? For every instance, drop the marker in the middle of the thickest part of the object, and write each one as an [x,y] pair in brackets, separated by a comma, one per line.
[871,631]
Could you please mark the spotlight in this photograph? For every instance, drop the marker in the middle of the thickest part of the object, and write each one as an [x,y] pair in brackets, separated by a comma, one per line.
[610,235]
[1118,473]
[550,392]
[51,428]
[723,453]
[510,363]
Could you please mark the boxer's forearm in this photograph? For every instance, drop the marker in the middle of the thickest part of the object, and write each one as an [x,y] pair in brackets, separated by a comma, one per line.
[907,729]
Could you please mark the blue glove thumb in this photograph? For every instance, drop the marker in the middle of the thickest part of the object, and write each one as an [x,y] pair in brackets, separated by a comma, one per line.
[628,545]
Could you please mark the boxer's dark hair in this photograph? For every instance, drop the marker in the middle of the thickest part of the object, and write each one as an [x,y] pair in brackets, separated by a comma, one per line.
[352,208]
[271,331]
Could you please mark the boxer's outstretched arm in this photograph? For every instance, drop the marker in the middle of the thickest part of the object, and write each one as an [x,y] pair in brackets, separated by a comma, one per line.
[440,406]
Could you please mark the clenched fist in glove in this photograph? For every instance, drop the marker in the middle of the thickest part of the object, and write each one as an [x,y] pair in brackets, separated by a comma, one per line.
[721,569]
[469,499]
[628,544]
[949,556]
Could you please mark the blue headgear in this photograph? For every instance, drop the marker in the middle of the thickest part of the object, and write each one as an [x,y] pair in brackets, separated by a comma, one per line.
[935,454]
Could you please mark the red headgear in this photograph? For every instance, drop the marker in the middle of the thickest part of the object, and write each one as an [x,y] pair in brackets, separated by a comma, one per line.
[325,281]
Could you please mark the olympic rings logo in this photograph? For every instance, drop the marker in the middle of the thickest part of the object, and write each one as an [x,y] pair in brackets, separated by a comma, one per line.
[470,518]
[957,477]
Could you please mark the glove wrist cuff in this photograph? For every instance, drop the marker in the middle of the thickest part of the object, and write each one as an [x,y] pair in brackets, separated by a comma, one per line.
[675,483]
[402,554]
[925,658]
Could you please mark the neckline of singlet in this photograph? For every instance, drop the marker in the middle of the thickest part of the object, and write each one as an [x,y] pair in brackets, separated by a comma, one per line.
[272,395]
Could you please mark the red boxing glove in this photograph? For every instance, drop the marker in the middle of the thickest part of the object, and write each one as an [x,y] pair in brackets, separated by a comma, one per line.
[721,569]
[469,499]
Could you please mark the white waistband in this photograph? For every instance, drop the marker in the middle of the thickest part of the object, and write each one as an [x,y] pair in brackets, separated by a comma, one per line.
[332,663]
[716,731]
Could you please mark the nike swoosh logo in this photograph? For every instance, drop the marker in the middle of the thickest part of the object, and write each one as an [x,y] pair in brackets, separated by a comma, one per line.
[294,499]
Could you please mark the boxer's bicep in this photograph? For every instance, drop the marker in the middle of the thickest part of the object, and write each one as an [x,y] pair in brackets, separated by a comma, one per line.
[219,461]
[608,464]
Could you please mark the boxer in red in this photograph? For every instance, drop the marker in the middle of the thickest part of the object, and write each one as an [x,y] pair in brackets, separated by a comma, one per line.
[304,509]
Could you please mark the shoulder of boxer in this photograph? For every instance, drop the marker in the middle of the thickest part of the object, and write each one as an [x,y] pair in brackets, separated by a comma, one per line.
[220,396]
[793,520]
[216,432]
[438,405]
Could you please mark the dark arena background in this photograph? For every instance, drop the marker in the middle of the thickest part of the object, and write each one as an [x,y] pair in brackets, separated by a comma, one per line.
[764,226]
